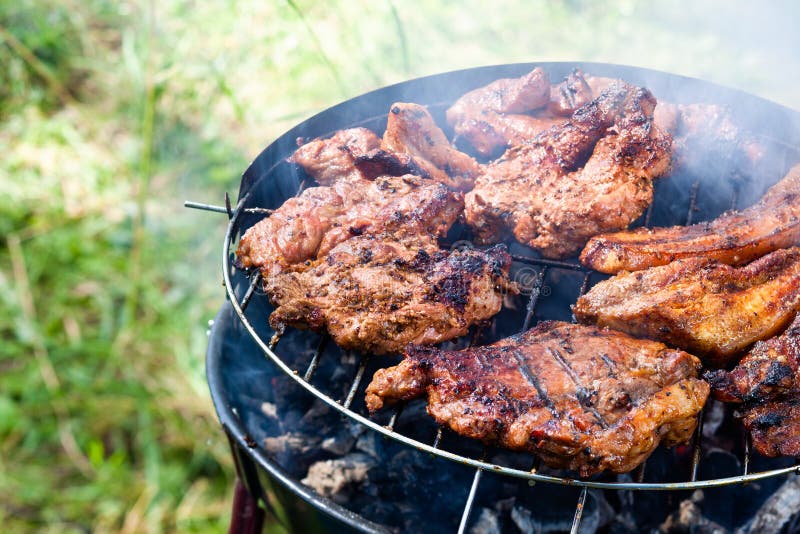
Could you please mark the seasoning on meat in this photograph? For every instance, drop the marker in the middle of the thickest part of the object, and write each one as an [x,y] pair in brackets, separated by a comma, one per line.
[769,371]
[552,198]
[308,226]
[580,397]
[706,307]
[735,237]
[378,293]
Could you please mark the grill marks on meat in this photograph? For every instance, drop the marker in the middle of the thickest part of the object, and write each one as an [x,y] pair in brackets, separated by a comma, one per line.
[706,307]
[380,293]
[410,129]
[735,237]
[551,198]
[310,225]
[582,398]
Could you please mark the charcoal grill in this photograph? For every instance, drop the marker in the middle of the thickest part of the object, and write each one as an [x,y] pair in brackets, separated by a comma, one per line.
[690,195]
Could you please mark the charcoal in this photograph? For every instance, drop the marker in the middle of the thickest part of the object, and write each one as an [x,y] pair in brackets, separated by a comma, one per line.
[779,513]
[487,523]
[339,479]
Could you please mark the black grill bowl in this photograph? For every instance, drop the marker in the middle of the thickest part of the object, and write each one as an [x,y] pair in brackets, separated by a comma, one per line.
[309,390]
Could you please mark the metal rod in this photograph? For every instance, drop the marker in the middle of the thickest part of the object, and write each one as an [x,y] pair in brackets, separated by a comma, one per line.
[638,475]
[746,460]
[648,214]
[312,366]
[462,527]
[692,202]
[438,439]
[548,263]
[395,415]
[250,291]
[223,209]
[576,520]
[205,207]
[357,382]
[698,438]
[535,290]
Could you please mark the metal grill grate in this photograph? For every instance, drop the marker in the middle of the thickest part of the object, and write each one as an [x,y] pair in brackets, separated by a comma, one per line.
[241,295]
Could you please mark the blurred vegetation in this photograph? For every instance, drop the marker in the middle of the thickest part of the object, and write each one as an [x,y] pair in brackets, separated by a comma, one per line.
[113,113]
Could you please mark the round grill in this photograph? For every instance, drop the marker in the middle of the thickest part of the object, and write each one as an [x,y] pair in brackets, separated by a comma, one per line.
[551,287]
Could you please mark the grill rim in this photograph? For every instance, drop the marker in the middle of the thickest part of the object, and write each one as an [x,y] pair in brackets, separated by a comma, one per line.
[253,176]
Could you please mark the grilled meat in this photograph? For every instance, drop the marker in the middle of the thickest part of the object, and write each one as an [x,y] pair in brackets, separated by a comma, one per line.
[767,381]
[308,226]
[380,293]
[582,398]
[552,199]
[327,160]
[494,117]
[769,371]
[506,95]
[774,427]
[570,94]
[735,237]
[411,130]
[706,307]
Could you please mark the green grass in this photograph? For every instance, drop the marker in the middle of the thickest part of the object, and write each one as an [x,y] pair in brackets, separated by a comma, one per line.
[112,114]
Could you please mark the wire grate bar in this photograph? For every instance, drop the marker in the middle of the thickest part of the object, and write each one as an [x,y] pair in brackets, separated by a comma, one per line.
[395,415]
[576,520]
[548,263]
[535,290]
[692,202]
[746,459]
[314,363]
[697,448]
[250,291]
[357,382]
[473,490]
[647,215]
[438,439]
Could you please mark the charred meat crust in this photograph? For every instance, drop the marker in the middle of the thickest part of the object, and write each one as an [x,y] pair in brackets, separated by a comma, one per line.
[709,308]
[582,398]
[736,237]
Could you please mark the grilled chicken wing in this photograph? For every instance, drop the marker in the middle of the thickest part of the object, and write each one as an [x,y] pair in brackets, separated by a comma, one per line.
[708,308]
[411,130]
[308,226]
[379,293]
[769,371]
[735,237]
[582,398]
[327,160]
[549,199]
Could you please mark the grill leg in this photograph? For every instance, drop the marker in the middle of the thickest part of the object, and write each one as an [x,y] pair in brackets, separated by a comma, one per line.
[247,517]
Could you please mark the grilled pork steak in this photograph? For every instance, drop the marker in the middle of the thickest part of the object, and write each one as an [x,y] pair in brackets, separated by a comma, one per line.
[328,160]
[769,371]
[701,305]
[308,226]
[775,427]
[735,237]
[410,129]
[549,197]
[493,117]
[582,398]
[380,293]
